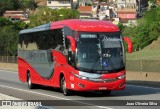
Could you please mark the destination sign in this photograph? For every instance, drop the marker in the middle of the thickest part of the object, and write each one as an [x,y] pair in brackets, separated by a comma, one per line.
[88,36]
[110,42]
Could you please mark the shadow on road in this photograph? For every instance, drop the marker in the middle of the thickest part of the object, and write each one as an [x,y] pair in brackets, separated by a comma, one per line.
[131,90]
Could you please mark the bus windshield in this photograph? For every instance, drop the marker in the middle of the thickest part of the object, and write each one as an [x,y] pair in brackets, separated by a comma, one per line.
[100,52]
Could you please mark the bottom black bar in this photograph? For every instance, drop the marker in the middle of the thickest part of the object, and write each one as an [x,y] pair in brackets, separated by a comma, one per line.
[80,103]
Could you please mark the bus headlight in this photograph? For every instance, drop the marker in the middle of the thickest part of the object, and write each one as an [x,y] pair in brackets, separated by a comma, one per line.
[86,75]
[89,75]
[79,76]
[122,77]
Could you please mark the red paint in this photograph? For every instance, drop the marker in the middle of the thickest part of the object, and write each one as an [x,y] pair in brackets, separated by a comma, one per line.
[66,70]
[72,42]
[61,65]
[130,45]
[86,25]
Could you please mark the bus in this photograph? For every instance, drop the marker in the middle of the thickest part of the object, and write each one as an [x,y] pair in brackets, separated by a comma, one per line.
[73,55]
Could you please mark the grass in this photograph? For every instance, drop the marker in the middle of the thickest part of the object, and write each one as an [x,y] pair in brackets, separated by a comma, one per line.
[151,52]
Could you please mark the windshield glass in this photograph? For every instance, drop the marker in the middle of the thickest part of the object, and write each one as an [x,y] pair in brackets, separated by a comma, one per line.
[100,52]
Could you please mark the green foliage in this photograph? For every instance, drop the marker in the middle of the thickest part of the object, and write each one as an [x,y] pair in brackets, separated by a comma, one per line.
[27,4]
[147,31]
[46,15]
[8,5]
[20,25]
[4,22]
[153,1]
[8,40]
[121,27]
[88,4]
[67,14]
[9,36]
[9,30]
[16,4]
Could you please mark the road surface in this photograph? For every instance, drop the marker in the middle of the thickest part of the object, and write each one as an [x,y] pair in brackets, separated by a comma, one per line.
[10,85]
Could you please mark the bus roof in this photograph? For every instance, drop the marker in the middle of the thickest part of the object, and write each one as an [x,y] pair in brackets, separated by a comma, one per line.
[35,29]
[87,25]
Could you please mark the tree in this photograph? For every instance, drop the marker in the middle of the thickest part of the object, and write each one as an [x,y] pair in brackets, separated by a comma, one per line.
[120,25]
[153,3]
[147,31]
[46,15]
[8,5]
[8,40]
[5,22]
[30,4]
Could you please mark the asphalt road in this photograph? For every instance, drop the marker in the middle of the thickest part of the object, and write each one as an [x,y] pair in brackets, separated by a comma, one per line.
[10,85]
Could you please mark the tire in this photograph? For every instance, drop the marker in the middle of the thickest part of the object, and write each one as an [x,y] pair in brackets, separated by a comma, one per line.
[30,84]
[64,90]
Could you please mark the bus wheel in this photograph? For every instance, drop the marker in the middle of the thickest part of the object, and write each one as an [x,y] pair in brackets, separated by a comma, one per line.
[30,84]
[64,90]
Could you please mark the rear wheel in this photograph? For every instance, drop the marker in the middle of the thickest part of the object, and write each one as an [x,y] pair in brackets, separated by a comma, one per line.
[30,84]
[64,90]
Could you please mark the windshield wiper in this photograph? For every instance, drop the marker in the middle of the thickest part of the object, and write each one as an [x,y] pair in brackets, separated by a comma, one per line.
[90,70]
[84,69]
[97,60]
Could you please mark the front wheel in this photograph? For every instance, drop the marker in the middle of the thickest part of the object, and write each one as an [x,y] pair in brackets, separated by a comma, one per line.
[30,84]
[64,90]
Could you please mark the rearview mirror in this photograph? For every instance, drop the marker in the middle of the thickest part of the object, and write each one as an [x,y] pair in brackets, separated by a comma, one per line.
[129,43]
[72,42]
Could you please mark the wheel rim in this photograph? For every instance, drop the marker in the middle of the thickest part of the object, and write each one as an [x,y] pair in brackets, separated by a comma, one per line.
[29,81]
[64,86]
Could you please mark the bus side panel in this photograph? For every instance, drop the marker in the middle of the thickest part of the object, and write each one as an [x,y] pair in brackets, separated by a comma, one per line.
[65,70]
[35,77]
[60,67]
[22,70]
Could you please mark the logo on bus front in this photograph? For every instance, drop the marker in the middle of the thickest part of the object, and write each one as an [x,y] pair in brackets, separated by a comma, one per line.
[105,64]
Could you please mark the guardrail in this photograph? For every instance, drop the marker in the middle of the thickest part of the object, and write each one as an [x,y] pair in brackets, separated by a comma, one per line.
[8,59]
[131,65]
[143,65]
[137,70]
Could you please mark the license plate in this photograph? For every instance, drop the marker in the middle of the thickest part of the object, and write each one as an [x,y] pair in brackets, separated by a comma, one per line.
[102,88]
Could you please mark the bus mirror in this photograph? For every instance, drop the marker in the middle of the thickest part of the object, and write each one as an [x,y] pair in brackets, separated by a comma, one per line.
[129,42]
[71,58]
[72,42]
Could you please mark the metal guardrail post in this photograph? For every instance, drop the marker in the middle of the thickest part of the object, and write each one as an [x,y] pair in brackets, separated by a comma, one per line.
[12,59]
[7,59]
[141,65]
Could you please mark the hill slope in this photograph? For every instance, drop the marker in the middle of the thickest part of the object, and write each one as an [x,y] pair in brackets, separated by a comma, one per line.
[41,2]
[151,52]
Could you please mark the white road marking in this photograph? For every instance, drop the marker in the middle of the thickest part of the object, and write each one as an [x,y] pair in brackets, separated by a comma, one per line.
[54,96]
[9,71]
[102,107]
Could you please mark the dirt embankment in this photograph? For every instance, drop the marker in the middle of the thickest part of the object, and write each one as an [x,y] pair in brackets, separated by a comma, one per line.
[8,66]
[41,2]
[154,45]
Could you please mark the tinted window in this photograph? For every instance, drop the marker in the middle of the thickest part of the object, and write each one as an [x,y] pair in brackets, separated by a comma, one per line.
[42,40]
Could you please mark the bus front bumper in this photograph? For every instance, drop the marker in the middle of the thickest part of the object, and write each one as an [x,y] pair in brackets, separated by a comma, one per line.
[95,85]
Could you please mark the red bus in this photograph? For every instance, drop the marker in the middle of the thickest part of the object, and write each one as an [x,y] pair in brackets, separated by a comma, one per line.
[79,55]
